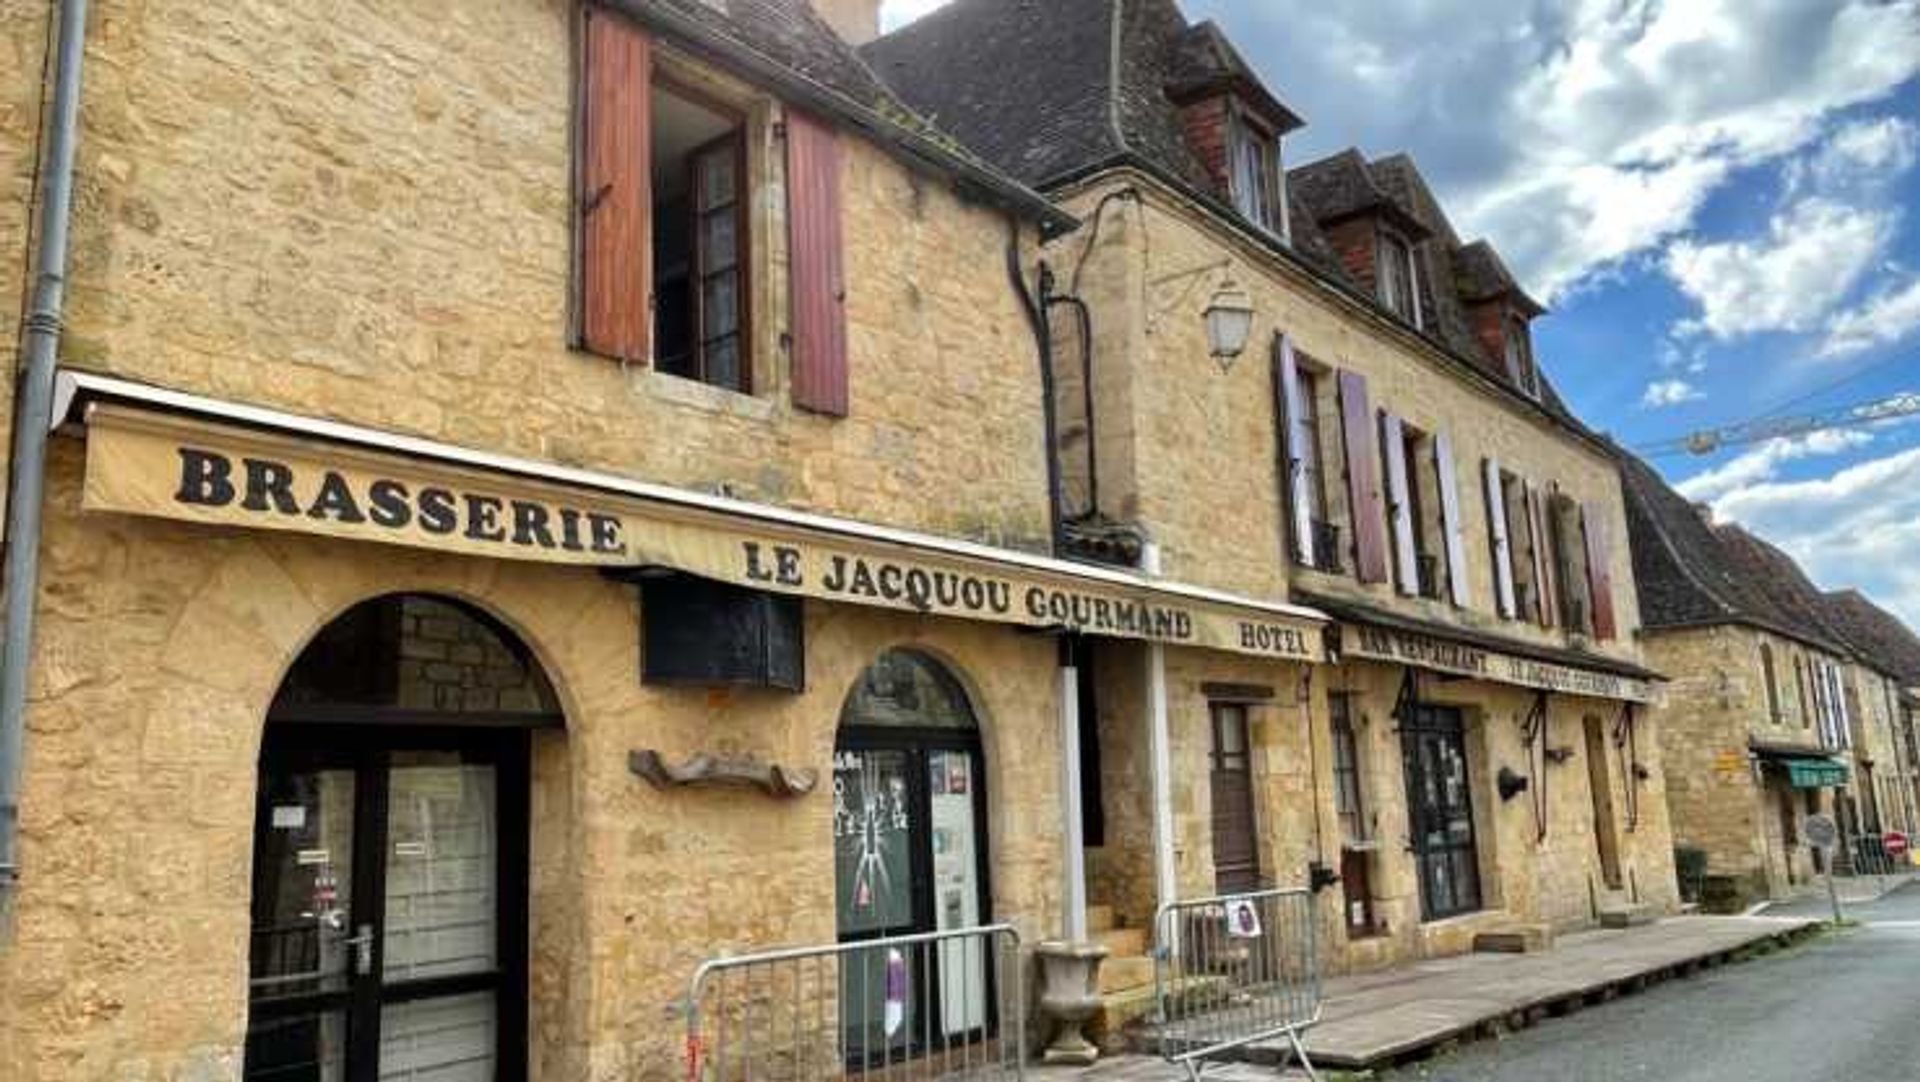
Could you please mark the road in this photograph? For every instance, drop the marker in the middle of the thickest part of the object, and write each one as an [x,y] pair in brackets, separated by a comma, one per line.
[1842,1008]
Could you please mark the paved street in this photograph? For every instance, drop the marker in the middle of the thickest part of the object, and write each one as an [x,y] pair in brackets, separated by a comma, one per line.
[1840,1008]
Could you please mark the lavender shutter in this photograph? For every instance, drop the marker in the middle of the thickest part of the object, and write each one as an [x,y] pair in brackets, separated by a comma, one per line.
[1296,450]
[1502,544]
[1366,504]
[1450,525]
[1393,450]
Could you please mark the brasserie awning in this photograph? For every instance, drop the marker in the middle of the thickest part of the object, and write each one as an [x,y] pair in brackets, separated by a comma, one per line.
[1804,768]
[158,452]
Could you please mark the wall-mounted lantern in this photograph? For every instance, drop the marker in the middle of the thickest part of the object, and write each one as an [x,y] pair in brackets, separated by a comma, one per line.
[1229,318]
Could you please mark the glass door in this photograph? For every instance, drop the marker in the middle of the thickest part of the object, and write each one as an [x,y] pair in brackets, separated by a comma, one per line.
[388,911]
[1440,805]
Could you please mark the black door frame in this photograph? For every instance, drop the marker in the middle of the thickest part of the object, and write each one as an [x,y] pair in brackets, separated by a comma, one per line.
[366,748]
[916,744]
[1423,725]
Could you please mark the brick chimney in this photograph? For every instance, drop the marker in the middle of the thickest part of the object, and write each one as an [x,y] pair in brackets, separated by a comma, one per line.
[856,21]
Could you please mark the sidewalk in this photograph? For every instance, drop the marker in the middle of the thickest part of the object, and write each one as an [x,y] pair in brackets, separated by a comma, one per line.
[1377,1018]
[1811,900]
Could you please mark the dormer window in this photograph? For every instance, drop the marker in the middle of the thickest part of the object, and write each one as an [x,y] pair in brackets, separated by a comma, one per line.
[1520,366]
[1257,181]
[1398,278]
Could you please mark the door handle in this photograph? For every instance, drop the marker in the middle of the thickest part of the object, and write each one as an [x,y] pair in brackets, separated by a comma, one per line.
[362,943]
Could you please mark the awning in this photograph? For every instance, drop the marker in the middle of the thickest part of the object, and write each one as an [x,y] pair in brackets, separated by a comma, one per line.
[1806,768]
[163,453]
[1380,636]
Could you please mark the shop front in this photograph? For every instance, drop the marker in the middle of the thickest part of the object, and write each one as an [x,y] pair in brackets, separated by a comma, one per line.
[354,756]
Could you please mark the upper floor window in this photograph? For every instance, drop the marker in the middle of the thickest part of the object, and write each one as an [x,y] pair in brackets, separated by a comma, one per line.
[1398,278]
[666,239]
[1257,181]
[1520,366]
[1773,688]
[1800,682]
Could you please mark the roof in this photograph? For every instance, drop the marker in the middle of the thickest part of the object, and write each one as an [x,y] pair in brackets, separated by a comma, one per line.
[1876,634]
[786,46]
[1772,572]
[1058,90]
[1686,571]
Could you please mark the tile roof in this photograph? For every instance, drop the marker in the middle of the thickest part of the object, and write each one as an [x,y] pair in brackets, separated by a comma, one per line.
[1688,572]
[1876,634]
[786,45]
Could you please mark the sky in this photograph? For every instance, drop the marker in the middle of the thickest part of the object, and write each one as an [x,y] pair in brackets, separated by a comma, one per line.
[1718,201]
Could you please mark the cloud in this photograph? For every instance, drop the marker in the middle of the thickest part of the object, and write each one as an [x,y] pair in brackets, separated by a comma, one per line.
[1812,255]
[1668,392]
[1576,136]
[1858,527]
[1865,153]
[895,14]
[1761,464]
[1886,317]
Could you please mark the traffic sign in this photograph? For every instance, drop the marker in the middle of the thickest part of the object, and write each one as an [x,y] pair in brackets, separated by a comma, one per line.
[1821,831]
[1896,844]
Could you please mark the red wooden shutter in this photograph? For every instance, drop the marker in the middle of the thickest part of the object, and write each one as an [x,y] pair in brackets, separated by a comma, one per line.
[1366,504]
[1599,568]
[1502,544]
[816,266]
[1451,528]
[616,243]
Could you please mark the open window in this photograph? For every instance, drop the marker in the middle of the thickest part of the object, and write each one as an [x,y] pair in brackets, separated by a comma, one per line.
[699,239]
[1258,182]
[1519,351]
[1397,277]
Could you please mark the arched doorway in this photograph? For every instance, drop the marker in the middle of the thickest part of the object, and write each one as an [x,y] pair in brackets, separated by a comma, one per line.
[390,851]
[910,842]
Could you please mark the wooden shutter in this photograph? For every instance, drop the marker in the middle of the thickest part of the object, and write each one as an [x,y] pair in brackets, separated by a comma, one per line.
[1366,505]
[1393,450]
[1287,373]
[615,216]
[1548,604]
[1502,544]
[1593,524]
[817,277]
[1450,524]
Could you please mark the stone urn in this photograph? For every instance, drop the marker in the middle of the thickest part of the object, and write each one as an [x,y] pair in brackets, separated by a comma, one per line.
[1070,997]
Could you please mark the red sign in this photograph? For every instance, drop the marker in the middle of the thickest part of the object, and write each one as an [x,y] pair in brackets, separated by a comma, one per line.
[1896,843]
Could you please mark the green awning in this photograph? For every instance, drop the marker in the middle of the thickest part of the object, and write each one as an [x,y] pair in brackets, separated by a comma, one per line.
[1815,773]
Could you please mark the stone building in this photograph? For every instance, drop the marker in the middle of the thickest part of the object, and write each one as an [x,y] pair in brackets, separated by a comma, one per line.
[537,499]
[1302,383]
[1875,633]
[1771,713]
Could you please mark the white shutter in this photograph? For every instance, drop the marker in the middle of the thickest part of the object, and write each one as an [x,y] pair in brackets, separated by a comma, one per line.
[1502,544]
[1450,525]
[1297,451]
[1394,451]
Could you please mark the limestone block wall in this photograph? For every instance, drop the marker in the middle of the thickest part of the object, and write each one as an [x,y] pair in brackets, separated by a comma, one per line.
[1189,447]
[159,648]
[369,219]
[26,27]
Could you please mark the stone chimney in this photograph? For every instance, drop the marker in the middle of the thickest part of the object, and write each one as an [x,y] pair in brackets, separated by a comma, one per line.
[857,21]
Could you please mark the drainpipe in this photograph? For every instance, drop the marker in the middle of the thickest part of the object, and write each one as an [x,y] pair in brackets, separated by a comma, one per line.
[1043,342]
[32,421]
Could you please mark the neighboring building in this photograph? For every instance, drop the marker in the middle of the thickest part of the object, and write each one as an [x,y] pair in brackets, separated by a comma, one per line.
[1386,450]
[1894,685]
[1756,726]
[470,430]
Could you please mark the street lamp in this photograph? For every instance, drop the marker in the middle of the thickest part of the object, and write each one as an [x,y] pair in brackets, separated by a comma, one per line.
[1229,322]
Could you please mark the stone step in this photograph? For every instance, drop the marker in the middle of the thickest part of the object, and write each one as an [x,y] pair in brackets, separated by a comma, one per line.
[1514,939]
[1627,916]
[1120,973]
[1101,918]
[1122,941]
[1135,1006]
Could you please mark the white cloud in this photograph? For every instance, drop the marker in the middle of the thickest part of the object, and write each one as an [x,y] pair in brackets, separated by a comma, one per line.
[1668,392]
[1762,463]
[1576,136]
[895,14]
[1888,316]
[1812,255]
[1864,153]
[1859,527]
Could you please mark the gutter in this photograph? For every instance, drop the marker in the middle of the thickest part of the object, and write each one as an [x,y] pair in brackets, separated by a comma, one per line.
[27,475]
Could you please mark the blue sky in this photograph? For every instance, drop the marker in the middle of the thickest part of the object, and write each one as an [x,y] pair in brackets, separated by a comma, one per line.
[1718,199]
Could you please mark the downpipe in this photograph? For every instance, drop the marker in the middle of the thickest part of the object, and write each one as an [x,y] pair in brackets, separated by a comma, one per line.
[27,479]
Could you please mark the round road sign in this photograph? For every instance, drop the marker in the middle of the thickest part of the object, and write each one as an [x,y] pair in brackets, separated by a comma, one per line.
[1821,831]
[1896,844]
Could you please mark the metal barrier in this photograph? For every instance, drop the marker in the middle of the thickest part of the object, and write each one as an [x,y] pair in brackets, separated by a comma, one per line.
[1235,970]
[1865,854]
[940,1005]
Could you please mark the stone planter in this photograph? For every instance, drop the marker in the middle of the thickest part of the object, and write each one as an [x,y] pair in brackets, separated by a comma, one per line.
[1070,997]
